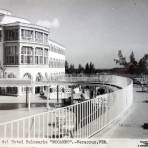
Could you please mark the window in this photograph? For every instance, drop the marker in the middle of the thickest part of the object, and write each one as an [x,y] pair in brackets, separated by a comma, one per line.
[45,38]
[11,90]
[26,55]
[38,55]
[11,75]
[39,37]
[27,35]
[11,55]
[11,34]
[56,63]
[56,49]
[45,56]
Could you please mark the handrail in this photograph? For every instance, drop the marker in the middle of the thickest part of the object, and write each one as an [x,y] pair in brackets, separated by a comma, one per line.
[79,120]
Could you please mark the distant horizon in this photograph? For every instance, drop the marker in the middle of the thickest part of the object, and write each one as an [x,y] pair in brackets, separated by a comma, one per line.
[116,65]
[91,30]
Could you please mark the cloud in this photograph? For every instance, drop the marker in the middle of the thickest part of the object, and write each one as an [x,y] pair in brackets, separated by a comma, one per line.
[49,24]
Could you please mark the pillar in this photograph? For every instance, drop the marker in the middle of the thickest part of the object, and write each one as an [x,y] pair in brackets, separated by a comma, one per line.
[33,55]
[29,104]
[19,90]
[27,98]
[71,94]
[48,96]
[57,94]
[33,90]
[94,92]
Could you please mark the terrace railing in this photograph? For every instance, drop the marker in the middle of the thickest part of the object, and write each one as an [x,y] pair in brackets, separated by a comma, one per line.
[80,120]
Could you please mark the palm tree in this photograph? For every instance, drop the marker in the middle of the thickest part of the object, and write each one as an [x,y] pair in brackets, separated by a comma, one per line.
[3,69]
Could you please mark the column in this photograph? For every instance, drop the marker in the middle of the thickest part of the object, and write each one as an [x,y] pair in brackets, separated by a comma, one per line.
[43,55]
[34,55]
[33,90]
[27,98]
[19,54]
[94,92]
[48,96]
[19,91]
[33,36]
[20,37]
[29,101]
[58,94]
[71,94]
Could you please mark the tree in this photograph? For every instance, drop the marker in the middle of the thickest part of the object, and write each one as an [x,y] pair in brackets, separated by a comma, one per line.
[132,65]
[80,68]
[121,59]
[91,68]
[142,66]
[66,67]
[132,58]
[86,68]
[71,68]
[3,69]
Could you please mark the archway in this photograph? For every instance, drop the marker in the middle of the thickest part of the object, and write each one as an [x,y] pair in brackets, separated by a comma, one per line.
[27,76]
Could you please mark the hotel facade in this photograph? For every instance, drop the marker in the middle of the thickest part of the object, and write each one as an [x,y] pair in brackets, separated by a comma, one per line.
[27,52]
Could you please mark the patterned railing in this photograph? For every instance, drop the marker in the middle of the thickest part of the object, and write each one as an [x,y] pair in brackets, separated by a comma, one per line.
[79,120]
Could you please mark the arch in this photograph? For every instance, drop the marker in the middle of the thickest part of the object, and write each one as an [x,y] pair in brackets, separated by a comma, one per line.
[27,76]
[11,75]
[39,77]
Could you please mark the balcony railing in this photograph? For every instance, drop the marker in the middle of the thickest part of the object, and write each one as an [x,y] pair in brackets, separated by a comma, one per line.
[80,120]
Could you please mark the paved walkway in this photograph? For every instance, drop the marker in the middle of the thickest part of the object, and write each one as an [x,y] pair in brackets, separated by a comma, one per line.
[130,126]
[9,115]
[21,99]
[16,107]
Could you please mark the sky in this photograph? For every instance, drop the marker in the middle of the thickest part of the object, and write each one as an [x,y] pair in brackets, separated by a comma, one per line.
[91,30]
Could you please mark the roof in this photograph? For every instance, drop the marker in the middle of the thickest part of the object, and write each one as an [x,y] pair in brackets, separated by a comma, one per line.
[56,43]
[7,19]
[30,25]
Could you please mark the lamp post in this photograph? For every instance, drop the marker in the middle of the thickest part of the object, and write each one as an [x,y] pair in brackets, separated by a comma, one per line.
[48,96]
[57,94]
[27,98]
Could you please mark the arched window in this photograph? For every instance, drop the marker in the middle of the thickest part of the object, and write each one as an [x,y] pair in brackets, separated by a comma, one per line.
[11,75]
[39,77]
[27,76]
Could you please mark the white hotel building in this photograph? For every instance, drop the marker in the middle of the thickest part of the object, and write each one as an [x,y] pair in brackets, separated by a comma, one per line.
[27,52]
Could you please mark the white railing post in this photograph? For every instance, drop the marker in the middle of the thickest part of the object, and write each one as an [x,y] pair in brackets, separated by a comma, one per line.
[11,129]
[18,129]
[5,131]
[34,127]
